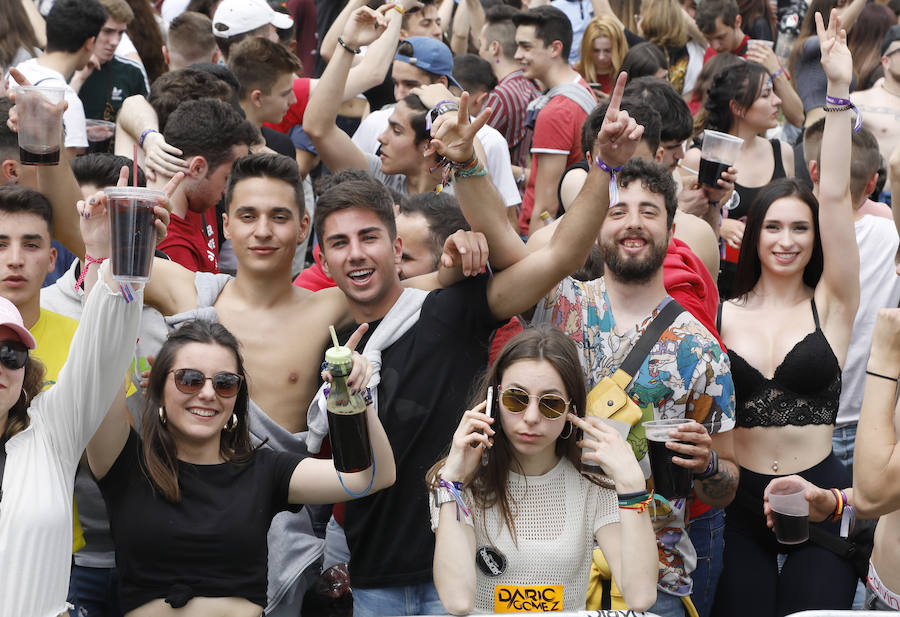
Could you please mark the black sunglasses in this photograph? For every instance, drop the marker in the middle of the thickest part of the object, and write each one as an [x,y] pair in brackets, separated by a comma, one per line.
[13,354]
[190,381]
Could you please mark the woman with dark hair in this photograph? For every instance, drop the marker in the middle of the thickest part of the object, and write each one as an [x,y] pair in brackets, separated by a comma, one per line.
[787,332]
[43,434]
[741,102]
[645,60]
[758,19]
[510,493]
[190,499]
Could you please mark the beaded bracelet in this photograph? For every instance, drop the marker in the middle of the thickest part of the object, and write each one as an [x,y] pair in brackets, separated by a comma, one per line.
[347,47]
[838,104]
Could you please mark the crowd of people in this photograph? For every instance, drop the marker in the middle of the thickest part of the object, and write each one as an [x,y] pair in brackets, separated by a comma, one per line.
[511,214]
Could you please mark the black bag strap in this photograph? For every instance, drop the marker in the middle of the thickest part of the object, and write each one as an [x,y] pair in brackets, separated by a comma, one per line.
[650,337]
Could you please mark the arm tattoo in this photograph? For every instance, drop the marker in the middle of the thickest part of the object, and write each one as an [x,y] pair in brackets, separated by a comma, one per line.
[723,484]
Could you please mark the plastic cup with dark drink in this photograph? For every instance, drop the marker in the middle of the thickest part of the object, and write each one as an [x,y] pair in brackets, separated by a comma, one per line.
[669,480]
[718,154]
[348,430]
[99,134]
[40,110]
[132,236]
[790,511]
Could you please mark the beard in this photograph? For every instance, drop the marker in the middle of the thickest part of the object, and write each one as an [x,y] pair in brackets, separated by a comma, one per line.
[633,268]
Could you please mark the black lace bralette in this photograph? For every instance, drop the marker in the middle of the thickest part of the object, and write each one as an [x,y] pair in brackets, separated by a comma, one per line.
[804,390]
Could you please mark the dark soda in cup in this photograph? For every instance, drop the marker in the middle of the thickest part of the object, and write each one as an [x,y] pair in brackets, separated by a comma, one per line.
[40,156]
[711,172]
[790,528]
[132,237]
[669,480]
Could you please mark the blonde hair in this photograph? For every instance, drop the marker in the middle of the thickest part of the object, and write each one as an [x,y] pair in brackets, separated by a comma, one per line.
[662,23]
[602,26]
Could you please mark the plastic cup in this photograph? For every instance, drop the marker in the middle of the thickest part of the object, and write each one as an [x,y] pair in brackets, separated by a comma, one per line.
[718,154]
[669,480]
[769,44]
[40,110]
[790,512]
[132,235]
[99,134]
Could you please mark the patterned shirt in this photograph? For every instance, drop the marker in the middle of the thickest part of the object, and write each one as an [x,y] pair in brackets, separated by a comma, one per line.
[686,375]
[508,103]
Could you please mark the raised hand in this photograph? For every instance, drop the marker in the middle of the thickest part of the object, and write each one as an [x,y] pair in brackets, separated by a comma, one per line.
[607,449]
[361,373]
[764,55]
[473,434]
[453,134]
[365,25]
[620,134]
[836,59]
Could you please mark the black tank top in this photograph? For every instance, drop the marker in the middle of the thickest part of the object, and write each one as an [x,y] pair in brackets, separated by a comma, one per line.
[804,390]
[748,194]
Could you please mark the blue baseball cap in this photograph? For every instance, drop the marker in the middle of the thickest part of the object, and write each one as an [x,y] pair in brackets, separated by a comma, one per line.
[430,55]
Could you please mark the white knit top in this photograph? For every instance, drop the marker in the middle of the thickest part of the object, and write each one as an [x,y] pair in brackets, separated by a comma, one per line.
[36,510]
[556,515]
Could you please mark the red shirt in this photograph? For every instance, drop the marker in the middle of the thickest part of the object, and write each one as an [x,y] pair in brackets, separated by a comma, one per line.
[740,51]
[314,278]
[556,131]
[294,115]
[508,103]
[192,244]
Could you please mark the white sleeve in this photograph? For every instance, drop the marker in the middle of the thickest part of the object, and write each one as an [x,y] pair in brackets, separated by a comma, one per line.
[99,356]
[496,149]
[73,118]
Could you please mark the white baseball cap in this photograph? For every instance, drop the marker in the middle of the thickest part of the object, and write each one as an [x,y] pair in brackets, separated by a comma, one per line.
[234,17]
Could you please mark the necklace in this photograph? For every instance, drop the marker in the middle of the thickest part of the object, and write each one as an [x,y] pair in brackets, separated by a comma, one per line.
[883,87]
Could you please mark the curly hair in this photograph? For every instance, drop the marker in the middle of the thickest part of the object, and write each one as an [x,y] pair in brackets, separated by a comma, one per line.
[654,178]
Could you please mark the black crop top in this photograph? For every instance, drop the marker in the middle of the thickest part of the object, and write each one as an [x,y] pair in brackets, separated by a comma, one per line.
[748,193]
[211,544]
[805,389]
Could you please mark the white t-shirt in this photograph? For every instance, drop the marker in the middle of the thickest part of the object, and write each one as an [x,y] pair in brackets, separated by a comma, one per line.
[495,148]
[879,287]
[556,516]
[73,117]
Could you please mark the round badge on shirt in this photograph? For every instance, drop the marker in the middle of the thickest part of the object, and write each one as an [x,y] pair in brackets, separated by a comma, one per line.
[490,561]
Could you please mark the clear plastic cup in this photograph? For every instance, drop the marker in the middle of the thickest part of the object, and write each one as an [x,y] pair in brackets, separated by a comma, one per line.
[40,111]
[790,511]
[669,480]
[132,237]
[99,134]
[769,44]
[718,154]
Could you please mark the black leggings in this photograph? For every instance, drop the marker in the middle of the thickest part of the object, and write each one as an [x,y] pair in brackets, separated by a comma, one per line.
[812,577]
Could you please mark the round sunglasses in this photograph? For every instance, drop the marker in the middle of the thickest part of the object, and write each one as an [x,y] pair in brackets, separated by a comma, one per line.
[551,406]
[191,381]
[13,354]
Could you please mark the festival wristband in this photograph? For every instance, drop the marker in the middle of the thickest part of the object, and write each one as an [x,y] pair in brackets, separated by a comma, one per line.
[839,104]
[612,171]
[144,136]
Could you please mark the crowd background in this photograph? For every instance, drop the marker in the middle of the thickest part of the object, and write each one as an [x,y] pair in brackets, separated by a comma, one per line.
[454,174]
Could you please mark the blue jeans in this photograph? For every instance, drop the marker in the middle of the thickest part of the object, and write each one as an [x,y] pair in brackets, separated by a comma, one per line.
[421,599]
[707,533]
[666,605]
[94,592]
[842,444]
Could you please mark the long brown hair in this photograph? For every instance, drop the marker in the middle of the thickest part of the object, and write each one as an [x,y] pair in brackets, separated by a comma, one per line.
[15,32]
[159,451]
[144,33]
[17,419]
[544,342]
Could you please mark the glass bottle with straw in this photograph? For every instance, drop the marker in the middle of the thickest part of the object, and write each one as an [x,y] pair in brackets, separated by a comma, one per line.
[347,427]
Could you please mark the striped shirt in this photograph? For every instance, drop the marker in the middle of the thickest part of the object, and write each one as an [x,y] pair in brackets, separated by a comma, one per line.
[508,103]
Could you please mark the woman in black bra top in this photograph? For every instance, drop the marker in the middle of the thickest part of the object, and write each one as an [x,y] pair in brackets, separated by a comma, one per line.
[787,332]
[741,102]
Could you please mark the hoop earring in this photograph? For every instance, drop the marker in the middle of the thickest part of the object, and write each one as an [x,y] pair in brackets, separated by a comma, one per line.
[162,415]
[232,423]
[569,434]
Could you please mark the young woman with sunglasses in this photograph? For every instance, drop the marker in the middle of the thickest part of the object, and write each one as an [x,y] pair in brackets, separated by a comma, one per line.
[524,513]
[43,434]
[190,499]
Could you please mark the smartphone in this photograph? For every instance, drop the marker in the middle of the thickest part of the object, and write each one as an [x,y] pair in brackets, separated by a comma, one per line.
[488,408]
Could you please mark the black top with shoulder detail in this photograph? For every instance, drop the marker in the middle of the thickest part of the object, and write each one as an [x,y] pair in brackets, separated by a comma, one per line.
[210,544]
[804,390]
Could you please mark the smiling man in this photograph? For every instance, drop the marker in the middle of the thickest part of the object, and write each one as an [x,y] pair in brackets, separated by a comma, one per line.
[211,135]
[109,79]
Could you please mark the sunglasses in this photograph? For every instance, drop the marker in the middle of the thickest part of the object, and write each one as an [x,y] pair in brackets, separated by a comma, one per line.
[191,381]
[551,406]
[13,354]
